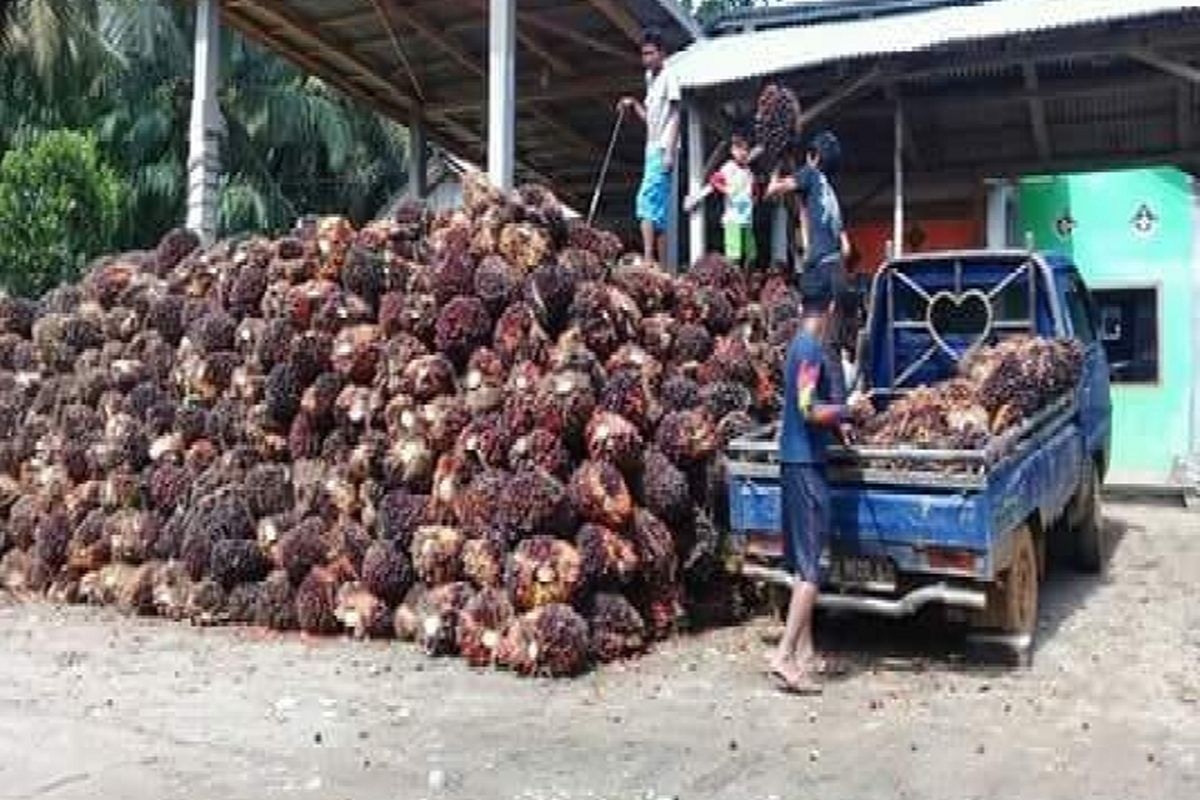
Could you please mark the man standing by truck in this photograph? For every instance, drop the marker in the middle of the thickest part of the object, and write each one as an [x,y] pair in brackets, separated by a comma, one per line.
[660,112]
[809,420]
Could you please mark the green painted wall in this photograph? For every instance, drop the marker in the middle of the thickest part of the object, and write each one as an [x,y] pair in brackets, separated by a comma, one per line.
[1092,217]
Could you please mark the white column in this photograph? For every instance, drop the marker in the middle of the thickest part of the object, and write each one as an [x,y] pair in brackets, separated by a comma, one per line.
[696,176]
[999,202]
[418,157]
[502,106]
[204,134]
[898,179]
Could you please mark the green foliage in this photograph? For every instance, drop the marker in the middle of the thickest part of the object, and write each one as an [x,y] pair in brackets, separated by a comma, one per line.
[59,207]
[121,69]
[708,10]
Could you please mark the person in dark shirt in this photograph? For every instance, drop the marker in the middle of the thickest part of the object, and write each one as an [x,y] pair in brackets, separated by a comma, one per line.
[825,242]
[809,421]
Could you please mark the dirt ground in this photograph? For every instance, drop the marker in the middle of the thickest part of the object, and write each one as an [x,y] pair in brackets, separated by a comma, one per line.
[96,705]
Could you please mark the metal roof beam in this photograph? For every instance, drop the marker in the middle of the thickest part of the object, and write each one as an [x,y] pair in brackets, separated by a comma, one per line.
[611,85]
[840,95]
[429,30]
[1179,69]
[626,55]
[1037,112]
[329,46]
[383,9]
[621,19]
[538,48]
[911,152]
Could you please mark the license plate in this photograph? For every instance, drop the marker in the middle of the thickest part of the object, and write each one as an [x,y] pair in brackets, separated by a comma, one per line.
[861,572]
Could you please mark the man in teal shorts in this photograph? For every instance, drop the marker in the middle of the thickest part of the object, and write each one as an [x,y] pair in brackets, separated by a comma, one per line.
[660,112]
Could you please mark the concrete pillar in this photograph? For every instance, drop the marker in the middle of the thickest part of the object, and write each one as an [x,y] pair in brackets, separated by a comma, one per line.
[999,213]
[204,133]
[696,178]
[502,106]
[418,157]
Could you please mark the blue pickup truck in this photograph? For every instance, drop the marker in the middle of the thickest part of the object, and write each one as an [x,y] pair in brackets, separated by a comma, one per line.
[966,530]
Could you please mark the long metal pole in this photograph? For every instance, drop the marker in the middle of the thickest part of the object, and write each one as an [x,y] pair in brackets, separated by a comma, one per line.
[898,180]
[502,87]
[612,143]
[697,170]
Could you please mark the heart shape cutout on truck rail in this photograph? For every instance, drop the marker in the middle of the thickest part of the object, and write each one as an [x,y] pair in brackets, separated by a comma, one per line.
[968,314]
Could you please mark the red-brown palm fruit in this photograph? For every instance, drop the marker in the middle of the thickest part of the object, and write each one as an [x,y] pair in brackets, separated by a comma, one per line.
[605,245]
[356,353]
[549,640]
[600,495]
[365,275]
[733,425]
[428,377]
[419,316]
[597,321]
[610,437]
[663,489]
[655,546]
[629,394]
[616,629]
[276,603]
[234,561]
[481,625]
[570,353]
[583,264]
[679,393]
[606,558]
[485,440]
[540,449]
[519,335]
[437,554]
[565,404]
[656,335]
[318,400]
[463,325]
[240,603]
[450,476]
[660,605]
[131,535]
[549,292]
[523,245]
[51,538]
[316,602]
[484,381]
[497,283]
[340,309]
[652,289]
[444,419]
[406,622]
[408,463]
[479,504]
[304,438]
[205,603]
[687,437]
[361,613]
[357,407]
[536,504]
[693,343]
[89,549]
[437,612]
[484,556]
[400,514]
[392,313]
[731,360]
[170,591]
[522,406]
[543,570]
[725,397]
[301,548]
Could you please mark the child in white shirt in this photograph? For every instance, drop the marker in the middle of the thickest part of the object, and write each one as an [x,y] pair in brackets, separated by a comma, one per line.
[735,181]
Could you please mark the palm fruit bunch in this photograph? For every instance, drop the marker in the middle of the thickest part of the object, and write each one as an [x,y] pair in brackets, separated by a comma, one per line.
[998,388]
[776,122]
[482,430]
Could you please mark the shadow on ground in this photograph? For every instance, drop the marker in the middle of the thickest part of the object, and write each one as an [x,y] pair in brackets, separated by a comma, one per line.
[933,639]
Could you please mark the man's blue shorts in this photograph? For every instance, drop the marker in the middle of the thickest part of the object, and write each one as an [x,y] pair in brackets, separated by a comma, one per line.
[806,519]
[654,190]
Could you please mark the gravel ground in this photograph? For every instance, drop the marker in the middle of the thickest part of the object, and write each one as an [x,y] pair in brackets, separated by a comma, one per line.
[95,705]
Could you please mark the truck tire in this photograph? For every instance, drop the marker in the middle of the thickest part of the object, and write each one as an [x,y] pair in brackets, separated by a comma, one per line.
[1090,539]
[1012,603]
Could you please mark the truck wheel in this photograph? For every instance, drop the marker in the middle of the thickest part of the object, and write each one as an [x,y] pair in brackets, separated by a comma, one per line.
[1013,602]
[1091,541]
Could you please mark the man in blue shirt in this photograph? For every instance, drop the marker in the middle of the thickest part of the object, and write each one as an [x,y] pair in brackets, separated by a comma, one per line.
[809,419]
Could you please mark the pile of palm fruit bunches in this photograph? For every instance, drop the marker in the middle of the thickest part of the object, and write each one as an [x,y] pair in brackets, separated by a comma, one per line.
[483,430]
[997,389]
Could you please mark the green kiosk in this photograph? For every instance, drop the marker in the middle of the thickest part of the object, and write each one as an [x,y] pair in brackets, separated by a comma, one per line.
[1133,234]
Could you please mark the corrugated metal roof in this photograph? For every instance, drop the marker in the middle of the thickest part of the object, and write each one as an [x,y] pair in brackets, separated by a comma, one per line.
[726,59]
[809,12]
